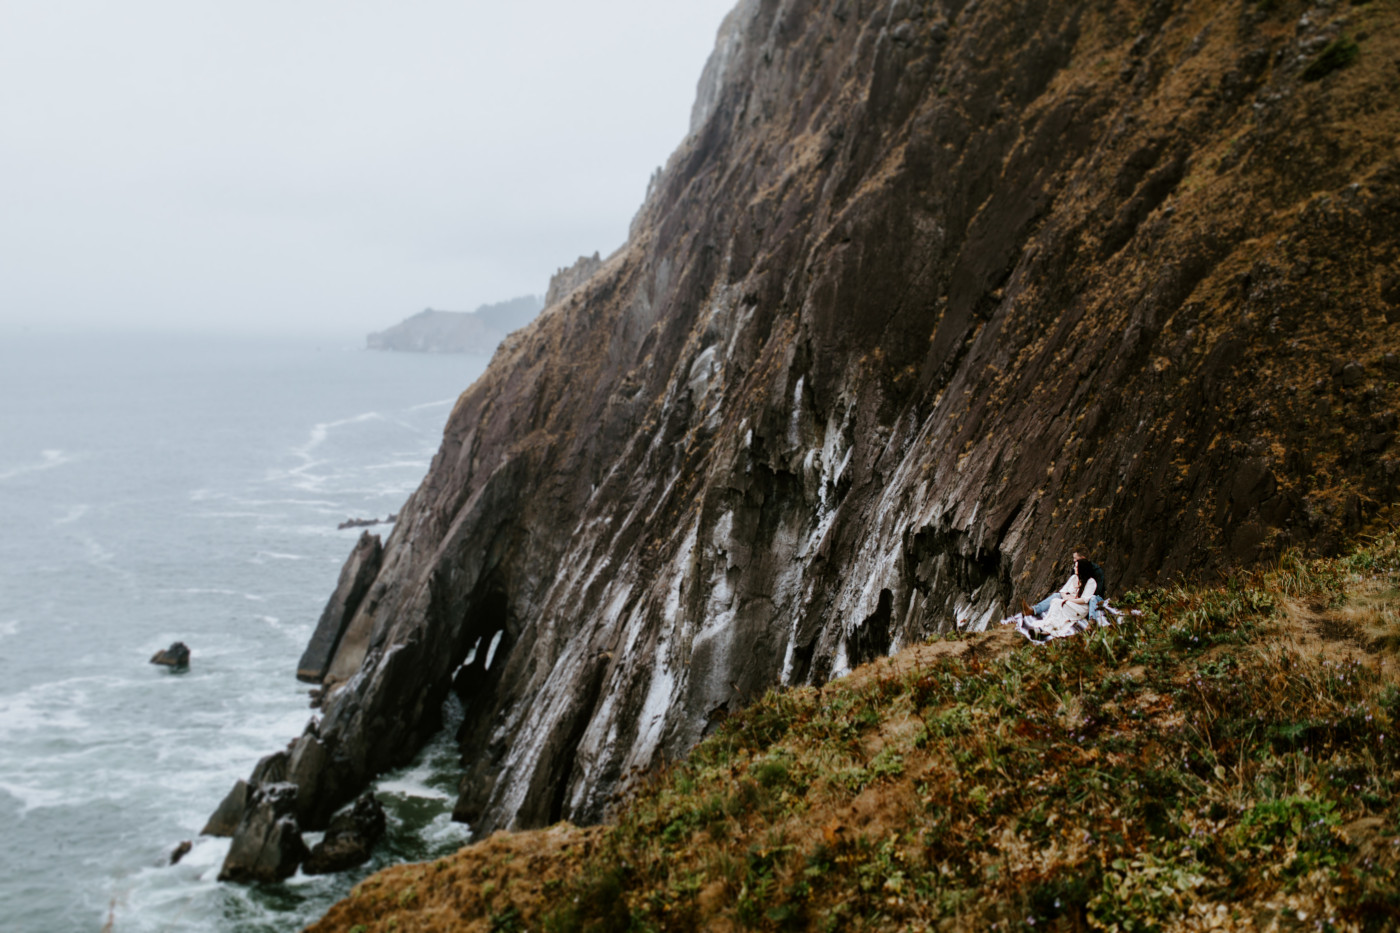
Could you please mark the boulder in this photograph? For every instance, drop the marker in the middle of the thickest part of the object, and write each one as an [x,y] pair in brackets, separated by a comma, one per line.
[224,821]
[181,851]
[350,839]
[176,657]
[267,845]
[270,769]
[355,579]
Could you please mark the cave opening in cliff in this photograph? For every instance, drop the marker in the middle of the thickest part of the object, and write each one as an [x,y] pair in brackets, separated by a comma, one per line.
[871,638]
[485,642]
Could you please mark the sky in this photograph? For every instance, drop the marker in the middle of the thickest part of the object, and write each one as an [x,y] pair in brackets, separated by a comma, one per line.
[324,166]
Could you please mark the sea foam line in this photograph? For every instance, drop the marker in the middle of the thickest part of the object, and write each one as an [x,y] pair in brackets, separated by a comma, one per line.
[440,403]
[320,432]
[50,459]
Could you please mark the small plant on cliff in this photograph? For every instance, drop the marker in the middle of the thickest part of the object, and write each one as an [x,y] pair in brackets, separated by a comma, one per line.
[1338,53]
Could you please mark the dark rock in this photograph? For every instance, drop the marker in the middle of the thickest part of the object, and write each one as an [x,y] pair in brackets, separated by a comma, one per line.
[225,820]
[350,838]
[1353,374]
[270,769]
[355,579]
[366,522]
[267,845]
[176,657]
[1390,291]
[565,280]
[180,852]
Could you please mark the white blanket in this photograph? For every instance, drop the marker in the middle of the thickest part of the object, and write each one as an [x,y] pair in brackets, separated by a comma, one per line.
[1054,626]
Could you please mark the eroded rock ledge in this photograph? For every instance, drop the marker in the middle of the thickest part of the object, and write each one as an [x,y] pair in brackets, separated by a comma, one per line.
[933,292]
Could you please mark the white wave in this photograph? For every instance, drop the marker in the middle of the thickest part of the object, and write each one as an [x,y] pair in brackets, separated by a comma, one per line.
[35,798]
[399,465]
[8,629]
[48,459]
[35,710]
[440,403]
[203,591]
[320,432]
[408,786]
[74,513]
[274,555]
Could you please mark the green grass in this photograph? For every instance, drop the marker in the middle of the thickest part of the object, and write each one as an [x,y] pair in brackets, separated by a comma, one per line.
[1225,758]
[1192,759]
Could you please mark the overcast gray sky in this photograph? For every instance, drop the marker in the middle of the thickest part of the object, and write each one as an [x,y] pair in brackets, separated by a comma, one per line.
[324,165]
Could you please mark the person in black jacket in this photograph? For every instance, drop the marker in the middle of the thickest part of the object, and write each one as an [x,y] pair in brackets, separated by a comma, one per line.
[1085,570]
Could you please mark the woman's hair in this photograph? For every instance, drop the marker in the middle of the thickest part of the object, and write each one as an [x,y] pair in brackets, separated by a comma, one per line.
[1082,574]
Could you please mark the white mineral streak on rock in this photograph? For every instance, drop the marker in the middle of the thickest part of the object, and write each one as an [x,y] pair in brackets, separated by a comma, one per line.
[702,371]
[840,665]
[794,433]
[529,726]
[491,651]
[656,708]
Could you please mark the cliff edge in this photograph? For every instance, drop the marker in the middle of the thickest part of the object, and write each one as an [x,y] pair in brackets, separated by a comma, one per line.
[933,292]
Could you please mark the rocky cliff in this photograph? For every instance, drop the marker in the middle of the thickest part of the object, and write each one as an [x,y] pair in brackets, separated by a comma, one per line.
[933,292]
[563,282]
[479,331]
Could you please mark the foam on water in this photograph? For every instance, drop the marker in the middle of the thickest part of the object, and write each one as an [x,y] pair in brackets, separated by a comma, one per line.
[202,508]
[48,460]
[74,513]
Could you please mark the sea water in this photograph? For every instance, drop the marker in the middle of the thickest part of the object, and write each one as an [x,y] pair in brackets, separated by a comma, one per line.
[164,488]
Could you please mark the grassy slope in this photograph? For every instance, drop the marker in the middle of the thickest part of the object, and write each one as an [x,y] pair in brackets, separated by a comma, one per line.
[1225,760]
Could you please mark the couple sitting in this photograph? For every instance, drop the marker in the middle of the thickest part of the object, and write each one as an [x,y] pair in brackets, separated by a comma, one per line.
[1069,610]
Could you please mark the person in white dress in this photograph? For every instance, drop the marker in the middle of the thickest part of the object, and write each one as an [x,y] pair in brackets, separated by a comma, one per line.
[1067,609]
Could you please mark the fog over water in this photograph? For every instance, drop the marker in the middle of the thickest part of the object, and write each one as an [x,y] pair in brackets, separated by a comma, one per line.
[323,166]
[279,179]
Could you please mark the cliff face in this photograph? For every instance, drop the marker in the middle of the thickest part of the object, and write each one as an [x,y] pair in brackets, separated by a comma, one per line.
[934,292]
[563,282]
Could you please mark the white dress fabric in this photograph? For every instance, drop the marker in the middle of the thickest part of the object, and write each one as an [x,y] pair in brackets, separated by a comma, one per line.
[1067,616]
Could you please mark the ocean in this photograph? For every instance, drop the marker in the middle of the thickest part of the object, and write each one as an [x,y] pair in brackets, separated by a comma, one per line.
[156,489]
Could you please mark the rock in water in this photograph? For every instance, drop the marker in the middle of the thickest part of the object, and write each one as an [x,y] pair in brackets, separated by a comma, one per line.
[226,818]
[350,838]
[180,852]
[267,845]
[176,657]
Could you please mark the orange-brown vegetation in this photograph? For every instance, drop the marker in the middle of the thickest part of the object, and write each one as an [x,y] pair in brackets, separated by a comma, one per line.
[1226,758]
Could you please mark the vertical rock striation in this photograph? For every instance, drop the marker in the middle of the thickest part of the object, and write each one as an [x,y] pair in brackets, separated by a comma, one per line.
[933,292]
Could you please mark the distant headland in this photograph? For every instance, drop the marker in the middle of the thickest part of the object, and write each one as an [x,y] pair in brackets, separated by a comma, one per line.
[479,331]
[482,330]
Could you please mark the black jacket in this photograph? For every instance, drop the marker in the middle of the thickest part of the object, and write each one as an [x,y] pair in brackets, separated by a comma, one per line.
[1095,573]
